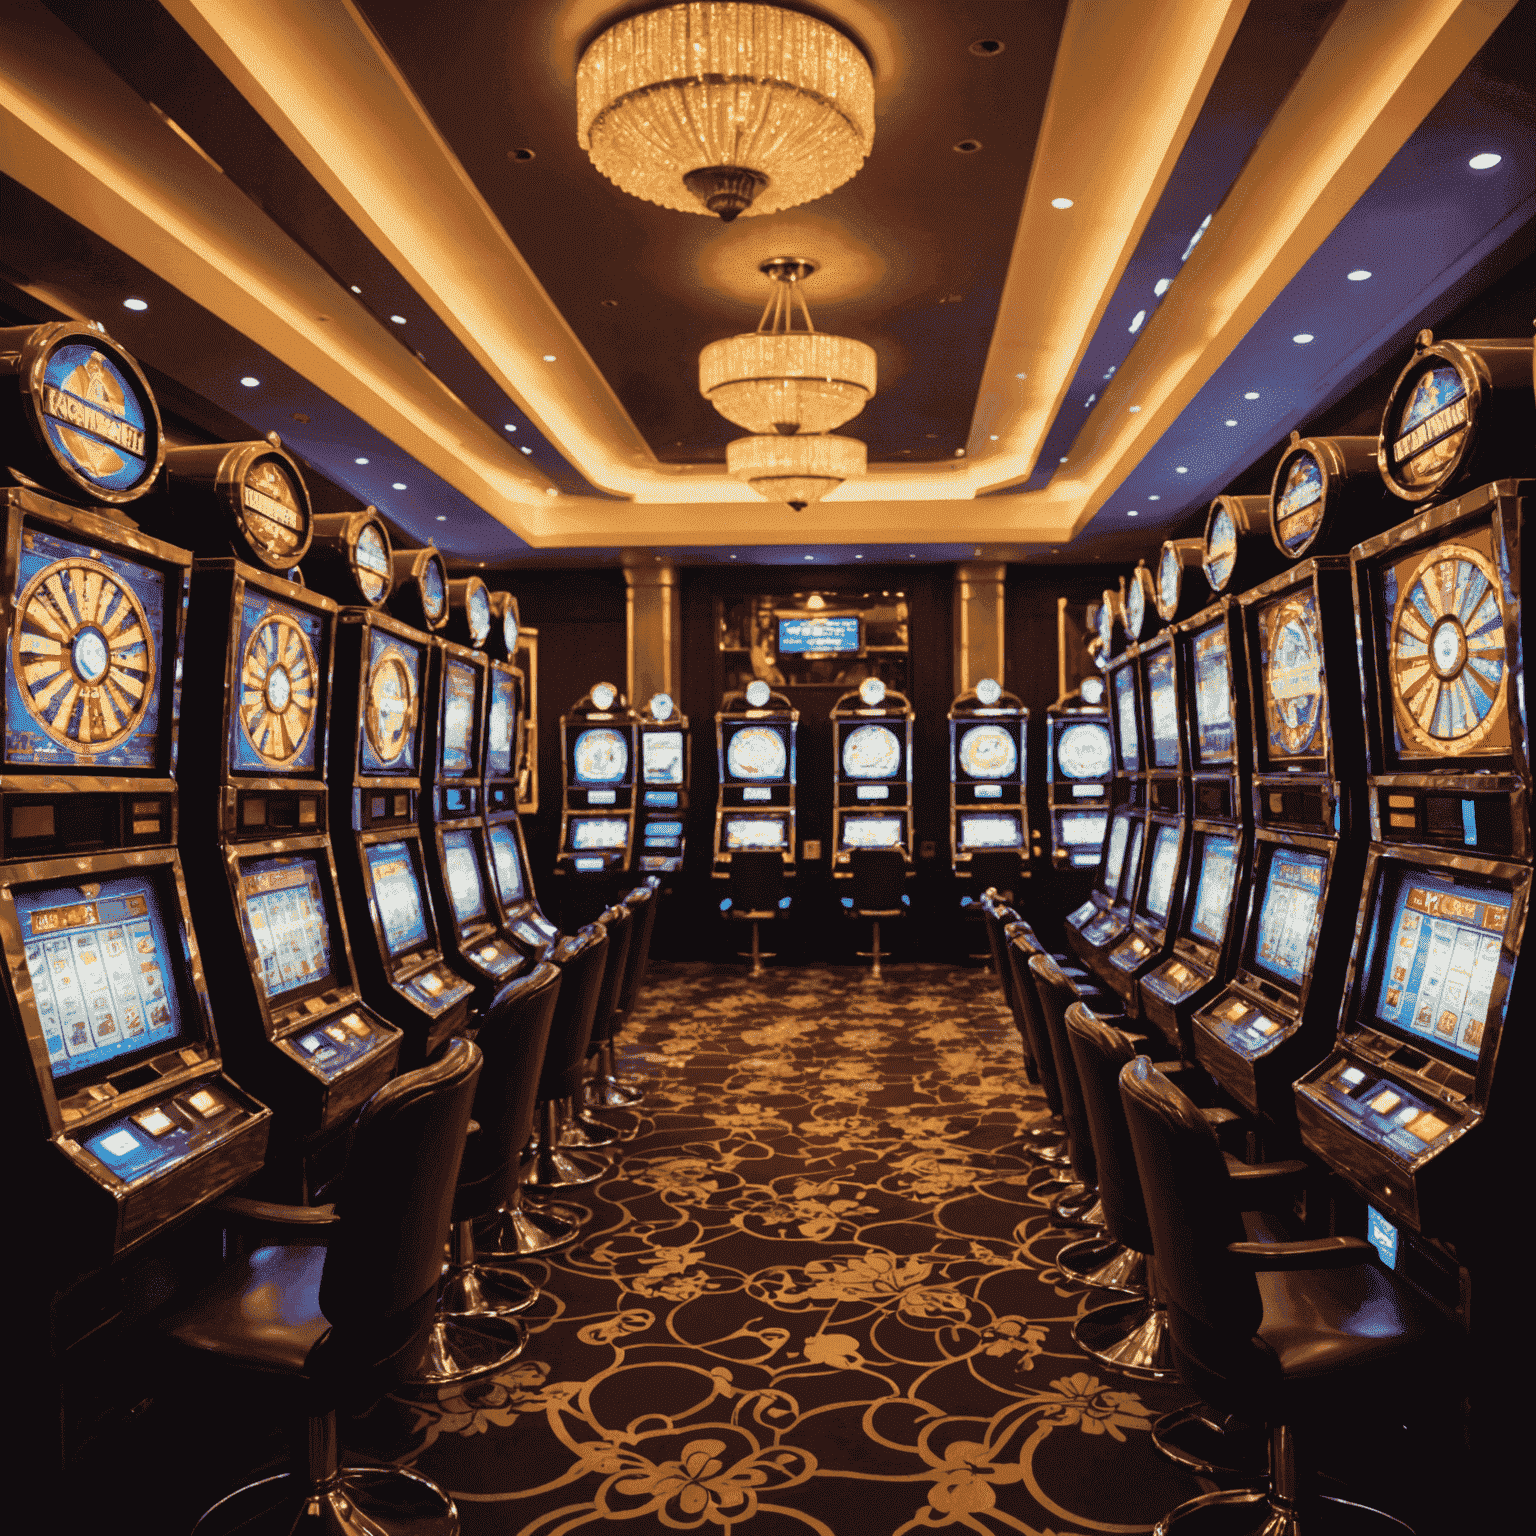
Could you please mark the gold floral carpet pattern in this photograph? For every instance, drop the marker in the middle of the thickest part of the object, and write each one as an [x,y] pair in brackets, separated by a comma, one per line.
[814,1294]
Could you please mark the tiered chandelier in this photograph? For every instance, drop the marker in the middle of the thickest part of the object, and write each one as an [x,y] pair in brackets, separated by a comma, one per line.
[799,469]
[725,108]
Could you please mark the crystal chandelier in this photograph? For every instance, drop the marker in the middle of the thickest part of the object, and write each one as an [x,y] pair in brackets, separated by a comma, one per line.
[775,379]
[799,469]
[725,108]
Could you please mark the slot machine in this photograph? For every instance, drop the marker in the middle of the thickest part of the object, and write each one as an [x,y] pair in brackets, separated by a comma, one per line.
[459,714]
[1215,727]
[663,786]
[597,826]
[1181,588]
[1079,775]
[121,1119]
[255,825]
[871,773]
[1327,494]
[988,761]
[378,729]
[1408,1107]
[524,657]
[755,752]
[1238,550]
[1156,904]
[1275,1018]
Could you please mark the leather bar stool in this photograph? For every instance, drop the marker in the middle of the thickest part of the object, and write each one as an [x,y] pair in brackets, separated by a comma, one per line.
[607,1090]
[476,1301]
[1076,1205]
[1288,1334]
[578,1129]
[997,917]
[757,895]
[878,890]
[581,957]
[1047,1142]
[342,1309]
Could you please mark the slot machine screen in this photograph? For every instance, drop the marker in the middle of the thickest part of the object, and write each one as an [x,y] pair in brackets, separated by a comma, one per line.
[499,732]
[286,922]
[1447,668]
[1216,737]
[1161,873]
[1300,504]
[748,832]
[397,896]
[1291,659]
[460,709]
[987,752]
[666,835]
[1213,890]
[823,635]
[273,726]
[391,703]
[661,757]
[100,963]
[1125,716]
[871,752]
[1132,865]
[872,831]
[1443,947]
[1288,913]
[1114,855]
[1163,709]
[994,829]
[1082,834]
[1431,427]
[757,754]
[82,667]
[1084,751]
[599,756]
[461,866]
[506,863]
[590,833]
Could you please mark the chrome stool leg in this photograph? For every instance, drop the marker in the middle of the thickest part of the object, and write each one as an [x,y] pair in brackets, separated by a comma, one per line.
[577,1130]
[1078,1206]
[1131,1335]
[609,1090]
[1104,1264]
[463,1349]
[556,1169]
[1227,1448]
[472,1289]
[518,1232]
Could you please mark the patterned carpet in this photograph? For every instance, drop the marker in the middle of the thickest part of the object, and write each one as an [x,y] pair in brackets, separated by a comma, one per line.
[814,1295]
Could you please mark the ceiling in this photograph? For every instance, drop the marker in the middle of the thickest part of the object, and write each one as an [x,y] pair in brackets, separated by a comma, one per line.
[388,221]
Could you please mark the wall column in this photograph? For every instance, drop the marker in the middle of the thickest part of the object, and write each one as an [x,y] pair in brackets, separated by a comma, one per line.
[654,626]
[979,607]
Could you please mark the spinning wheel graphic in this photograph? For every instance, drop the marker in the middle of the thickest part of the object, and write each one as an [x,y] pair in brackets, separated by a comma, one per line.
[277,689]
[1449,676]
[83,655]
[390,711]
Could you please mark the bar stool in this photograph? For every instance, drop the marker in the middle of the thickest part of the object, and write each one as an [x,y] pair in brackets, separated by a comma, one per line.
[607,1090]
[757,894]
[577,1128]
[1047,1142]
[997,917]
[878,890]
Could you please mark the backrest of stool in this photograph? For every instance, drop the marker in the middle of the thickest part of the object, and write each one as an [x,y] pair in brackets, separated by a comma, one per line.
[1190,1208]
[879,879]
[1100,1051]
[619,922]
[757,881]
[583,956]
[995,917]
[1028,994]
[1056,996]
[642,903]
[397,1192]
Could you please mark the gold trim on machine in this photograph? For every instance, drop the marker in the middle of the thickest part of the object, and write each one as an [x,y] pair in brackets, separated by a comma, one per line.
[277,689]
[390,716]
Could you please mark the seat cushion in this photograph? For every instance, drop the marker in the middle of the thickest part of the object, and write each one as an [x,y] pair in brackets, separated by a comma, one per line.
[261,1312]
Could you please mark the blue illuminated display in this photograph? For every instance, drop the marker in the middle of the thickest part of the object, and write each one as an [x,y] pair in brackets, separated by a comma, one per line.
[600,755]
[461,698]
[1213,894]
[273,725]
[286,922]
[508,866]
[461,865]
[1163,710]
[1288,916]
[501,725]
[82,669]
[1216,739]
[832,635]
[397,896]
[1161,872]
[1125,719]
[93,416]
[390,705]
[100,968]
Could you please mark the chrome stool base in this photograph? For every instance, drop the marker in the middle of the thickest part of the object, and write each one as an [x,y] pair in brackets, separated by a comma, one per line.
[1130,1336]
[463,1349]
[553,1168]
[1243,1512]
[1105,1264]
[1209,1447]
[518,1232]
[478,1290]
[357,1501]
[1078,1206]
[608,1090]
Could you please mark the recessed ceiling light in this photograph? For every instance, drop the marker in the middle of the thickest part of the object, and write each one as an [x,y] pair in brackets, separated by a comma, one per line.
[959,453]
[398,319]
[733,557]
[810,557]
[1359,275]
[1021,375]
[1062,459]
[441,518]
[1133,409]
[135,304]
[549,490]
[527,449]
[1089,401]
[359,461]
[511,426]
[249,382]
[1161,286]
[399,485]
[1136,320]
[988,47]
[1181,470]
[520,154]
[1252,394]
[356,289]
[1133,514]
[858,557]
[993,437]
[1061,202]
[549,357]
[1231,422]
[967,146]
[1484,162]
[1154,498]
[1301,338]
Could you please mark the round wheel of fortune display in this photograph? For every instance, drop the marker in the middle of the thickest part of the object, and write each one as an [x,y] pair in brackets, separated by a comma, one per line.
[1293,684]
[389,713]
[278,692]
[82,652]
[1449,666]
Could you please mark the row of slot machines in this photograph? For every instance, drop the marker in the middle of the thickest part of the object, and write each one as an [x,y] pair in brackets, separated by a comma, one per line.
[259,839]
[1317,857]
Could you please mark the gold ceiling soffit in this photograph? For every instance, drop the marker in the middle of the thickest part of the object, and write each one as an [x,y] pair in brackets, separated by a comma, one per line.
[77,136]
[1378,72]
